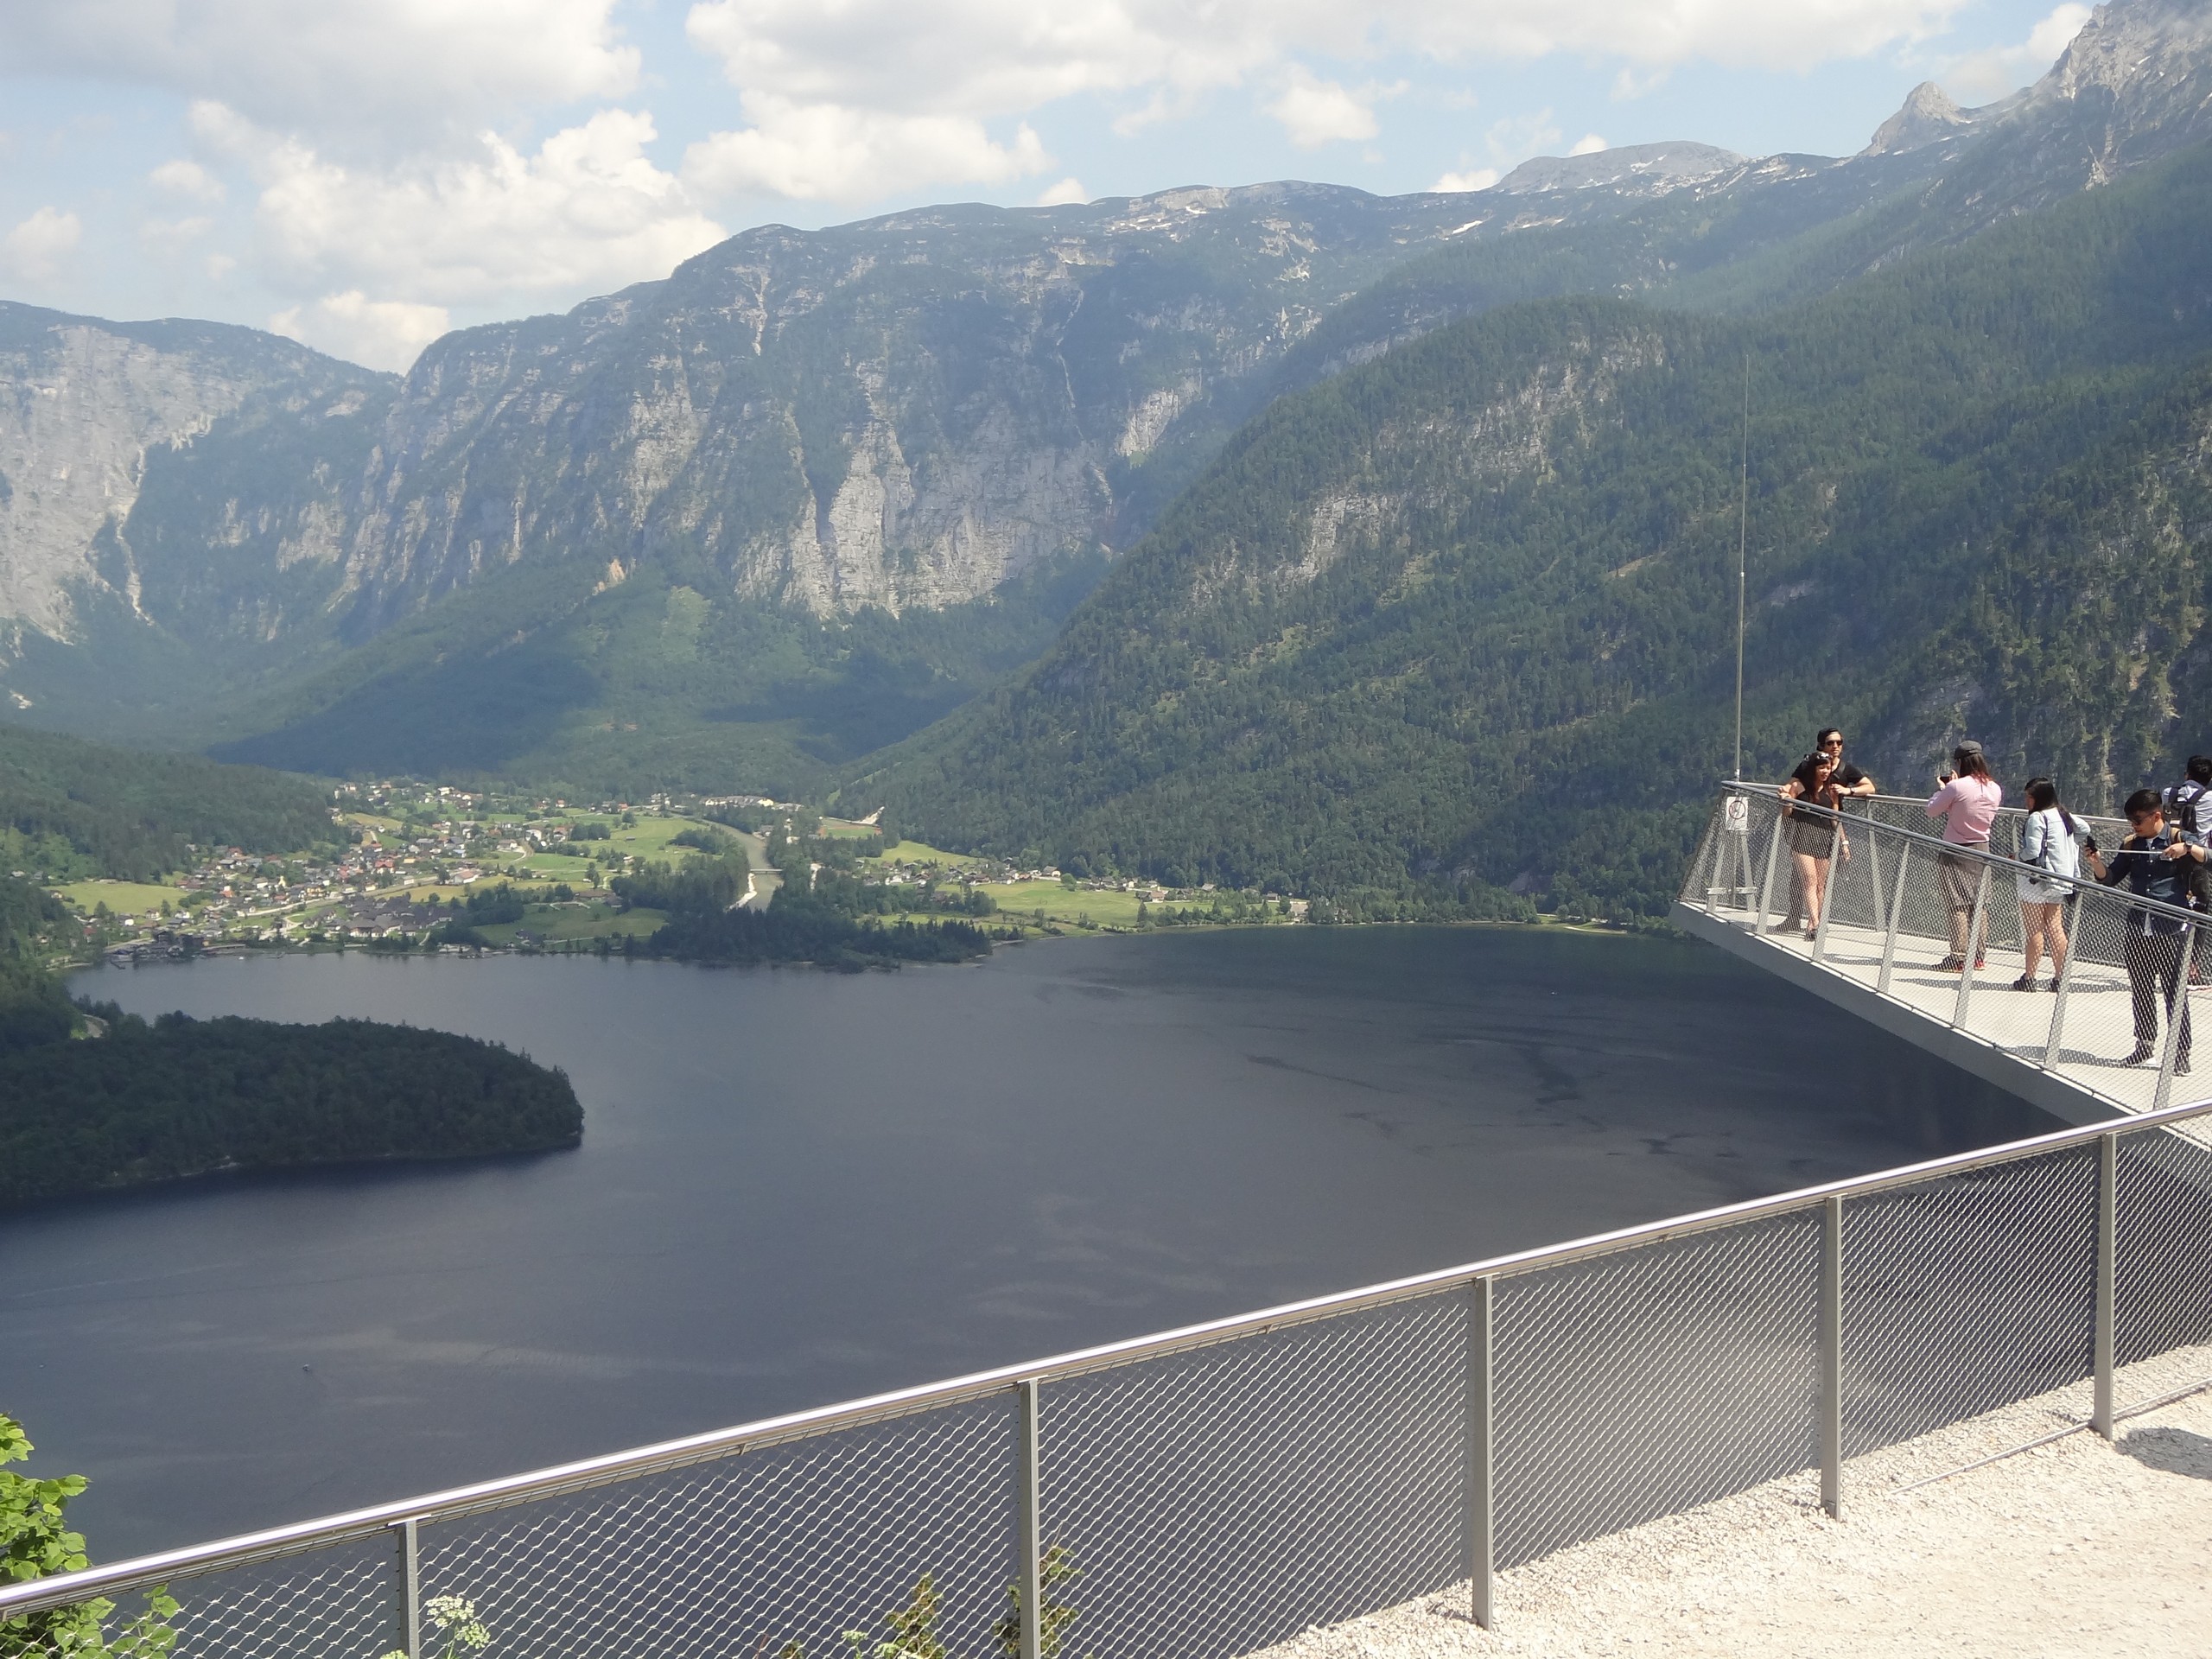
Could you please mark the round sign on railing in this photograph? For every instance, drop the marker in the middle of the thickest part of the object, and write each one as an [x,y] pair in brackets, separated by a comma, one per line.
[1736,813]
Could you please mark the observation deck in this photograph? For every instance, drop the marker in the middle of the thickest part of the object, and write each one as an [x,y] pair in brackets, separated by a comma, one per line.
[1885,931]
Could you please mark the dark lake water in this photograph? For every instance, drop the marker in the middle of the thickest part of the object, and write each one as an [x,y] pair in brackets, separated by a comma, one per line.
[797,1187]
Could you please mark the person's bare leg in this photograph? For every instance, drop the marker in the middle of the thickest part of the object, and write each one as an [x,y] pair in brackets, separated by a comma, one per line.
[1809,883]
[2055,937]
[2031,928]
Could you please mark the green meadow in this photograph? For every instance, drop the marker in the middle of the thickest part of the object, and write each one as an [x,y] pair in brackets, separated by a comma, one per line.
[122,898]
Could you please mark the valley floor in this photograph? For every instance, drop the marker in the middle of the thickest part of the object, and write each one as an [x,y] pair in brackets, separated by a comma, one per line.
[2074,1548]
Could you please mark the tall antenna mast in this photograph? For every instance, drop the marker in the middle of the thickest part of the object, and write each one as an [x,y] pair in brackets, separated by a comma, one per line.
[1743,558]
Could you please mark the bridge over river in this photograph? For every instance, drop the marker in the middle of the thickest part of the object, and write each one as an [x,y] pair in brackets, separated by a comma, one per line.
[1886,933]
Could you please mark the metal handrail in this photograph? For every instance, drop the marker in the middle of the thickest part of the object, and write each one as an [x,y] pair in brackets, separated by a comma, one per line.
[1999,861]
[2107,820]
[273,1543]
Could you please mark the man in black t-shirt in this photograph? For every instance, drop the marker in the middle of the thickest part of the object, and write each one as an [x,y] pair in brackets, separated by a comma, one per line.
[1848,778]
[1852,781]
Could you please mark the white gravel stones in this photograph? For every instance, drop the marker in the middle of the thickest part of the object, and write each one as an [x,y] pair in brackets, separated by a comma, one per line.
[2074,1548]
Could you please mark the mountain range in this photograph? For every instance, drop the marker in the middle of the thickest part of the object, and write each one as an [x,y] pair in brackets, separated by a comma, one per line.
[1279,534]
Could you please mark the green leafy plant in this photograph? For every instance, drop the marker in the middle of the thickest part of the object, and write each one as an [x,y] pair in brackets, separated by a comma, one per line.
[1055,1568]
[915,1627]
[453,1618]
[36,1543]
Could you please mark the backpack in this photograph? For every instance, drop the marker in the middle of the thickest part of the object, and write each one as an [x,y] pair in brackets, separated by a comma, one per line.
[2184,798]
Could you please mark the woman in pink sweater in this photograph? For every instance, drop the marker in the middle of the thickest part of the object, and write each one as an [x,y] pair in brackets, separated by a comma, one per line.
[1967,803]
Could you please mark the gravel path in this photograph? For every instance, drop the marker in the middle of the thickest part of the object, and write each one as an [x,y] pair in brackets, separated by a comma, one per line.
[2074,1548]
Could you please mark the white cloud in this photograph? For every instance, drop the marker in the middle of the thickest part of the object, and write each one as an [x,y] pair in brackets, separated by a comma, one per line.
[170,236]
[1984,77]
[1480,179]
[834,152]
[1068,192]
[1314,113]
[588,210]
[38,247]
[853,98]
[1514,139]
[381,333]
[1588,144]
[379,70]
[186,179]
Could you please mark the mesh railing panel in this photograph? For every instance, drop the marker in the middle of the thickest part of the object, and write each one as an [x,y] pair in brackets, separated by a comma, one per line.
[739,1558]
[1216,1501]
[2107,1023]
[1966,1295]
[1915,900]
[2162,1267]
[1644,1383]
[334,1603]
[1707,881]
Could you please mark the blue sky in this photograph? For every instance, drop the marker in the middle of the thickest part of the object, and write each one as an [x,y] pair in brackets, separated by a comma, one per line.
[365,174]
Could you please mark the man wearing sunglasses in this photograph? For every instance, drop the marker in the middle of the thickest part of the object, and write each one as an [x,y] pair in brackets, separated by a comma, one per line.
[1848,778]
[2153,863]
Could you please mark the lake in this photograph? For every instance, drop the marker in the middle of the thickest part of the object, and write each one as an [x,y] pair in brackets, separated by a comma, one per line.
[796,1187]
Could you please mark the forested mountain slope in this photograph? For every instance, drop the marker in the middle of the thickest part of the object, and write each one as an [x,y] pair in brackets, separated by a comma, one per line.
[70,810]
[1465,612]
[736,528]
[816,491]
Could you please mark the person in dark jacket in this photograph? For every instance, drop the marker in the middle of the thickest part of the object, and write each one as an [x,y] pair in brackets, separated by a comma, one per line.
[2153,862]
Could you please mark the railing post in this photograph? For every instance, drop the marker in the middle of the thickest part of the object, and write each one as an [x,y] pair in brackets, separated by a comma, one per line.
[1766,888]
[1029,1522]
[1482,1446]
[2107,1275]
[1897,914]
[1827,891]
[410,1610]
[1974,948]
[1874,868]
[1832,1356]
[2065,986]
[2177,1016]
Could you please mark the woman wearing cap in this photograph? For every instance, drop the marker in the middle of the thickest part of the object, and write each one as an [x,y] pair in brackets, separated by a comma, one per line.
[1967,803]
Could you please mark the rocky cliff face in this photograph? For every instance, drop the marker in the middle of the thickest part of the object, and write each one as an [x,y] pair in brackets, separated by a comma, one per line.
[1929,116]
[893,419]
[88,408]
[904,413]
[2135,85]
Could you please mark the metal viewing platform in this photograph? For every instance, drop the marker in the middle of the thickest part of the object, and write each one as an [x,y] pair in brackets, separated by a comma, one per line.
[1886,930]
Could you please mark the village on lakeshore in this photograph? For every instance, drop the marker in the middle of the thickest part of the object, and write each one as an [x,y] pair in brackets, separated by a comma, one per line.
[415,852]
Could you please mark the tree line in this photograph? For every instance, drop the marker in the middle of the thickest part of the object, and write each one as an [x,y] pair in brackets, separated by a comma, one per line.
[71,810]
[826,917]
[92,1098]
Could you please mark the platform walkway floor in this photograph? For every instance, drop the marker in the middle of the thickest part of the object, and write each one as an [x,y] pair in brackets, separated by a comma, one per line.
[2095,1041]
